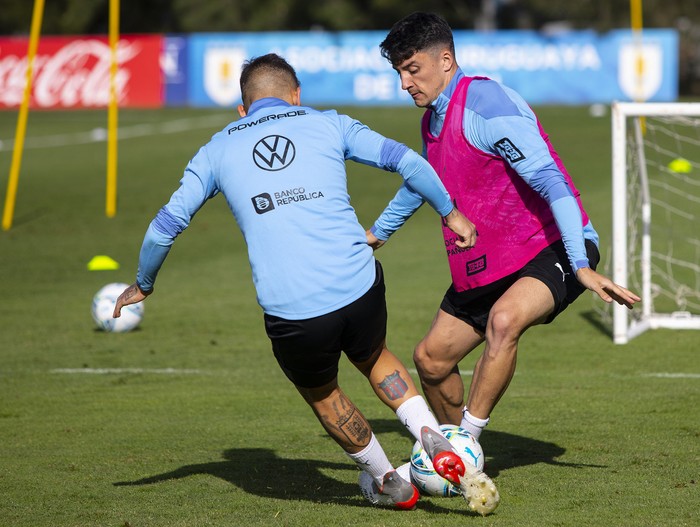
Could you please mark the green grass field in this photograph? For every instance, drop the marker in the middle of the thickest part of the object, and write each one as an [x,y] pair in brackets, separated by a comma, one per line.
[188,421]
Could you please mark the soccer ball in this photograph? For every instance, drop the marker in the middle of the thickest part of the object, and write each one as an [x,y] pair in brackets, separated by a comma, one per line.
[103,306]
[423,474]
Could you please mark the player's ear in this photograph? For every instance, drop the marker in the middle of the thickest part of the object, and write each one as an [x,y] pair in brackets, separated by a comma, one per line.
[241,110]
[296,97]
[447,60]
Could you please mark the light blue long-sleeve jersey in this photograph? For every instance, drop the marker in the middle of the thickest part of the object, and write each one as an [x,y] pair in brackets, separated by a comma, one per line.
[493,111]
[282,172]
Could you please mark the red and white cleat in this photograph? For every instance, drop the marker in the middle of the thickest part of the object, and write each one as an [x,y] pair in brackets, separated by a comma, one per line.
[395,491]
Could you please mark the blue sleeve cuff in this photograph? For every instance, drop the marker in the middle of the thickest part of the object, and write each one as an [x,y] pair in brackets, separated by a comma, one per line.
[379,233]
[580,264]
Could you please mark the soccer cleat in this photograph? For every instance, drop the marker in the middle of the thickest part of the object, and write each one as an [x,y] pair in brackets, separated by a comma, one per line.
[476,487]
[395,491]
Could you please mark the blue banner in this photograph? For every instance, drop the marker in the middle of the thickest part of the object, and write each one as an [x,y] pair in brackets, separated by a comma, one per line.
[576,67]
[173,64]
[346,68]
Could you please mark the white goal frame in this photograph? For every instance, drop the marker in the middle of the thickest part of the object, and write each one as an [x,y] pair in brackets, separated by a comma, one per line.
[625,328]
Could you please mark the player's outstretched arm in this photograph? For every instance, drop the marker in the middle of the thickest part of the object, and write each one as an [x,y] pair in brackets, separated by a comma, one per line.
[131,295]
[606,288]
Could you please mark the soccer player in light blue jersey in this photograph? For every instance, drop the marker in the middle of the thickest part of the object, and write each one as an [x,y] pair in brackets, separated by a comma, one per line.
[536,250]
[281,169]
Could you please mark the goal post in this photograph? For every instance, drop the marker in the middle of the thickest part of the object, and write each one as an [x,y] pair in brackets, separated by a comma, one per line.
[656,215]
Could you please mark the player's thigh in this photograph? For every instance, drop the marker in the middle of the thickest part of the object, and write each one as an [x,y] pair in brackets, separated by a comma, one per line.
[363,336]
[447,342]
[526,303]
[307,351]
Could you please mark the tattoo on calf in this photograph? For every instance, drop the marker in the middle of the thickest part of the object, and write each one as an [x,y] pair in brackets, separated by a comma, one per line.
[394,386]
[351,422]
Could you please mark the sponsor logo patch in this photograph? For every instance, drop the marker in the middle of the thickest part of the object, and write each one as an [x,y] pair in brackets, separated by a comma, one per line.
[510,151]
[262,203]
[476,266]
[273,153]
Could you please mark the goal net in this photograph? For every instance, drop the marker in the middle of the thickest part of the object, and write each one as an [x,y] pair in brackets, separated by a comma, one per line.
[656,215]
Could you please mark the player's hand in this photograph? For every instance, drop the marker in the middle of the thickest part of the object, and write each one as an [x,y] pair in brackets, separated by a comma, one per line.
[606,288]
[374,242]
[131,295]
[463,228]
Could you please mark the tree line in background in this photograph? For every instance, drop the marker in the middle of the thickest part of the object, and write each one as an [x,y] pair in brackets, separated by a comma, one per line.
[184,16]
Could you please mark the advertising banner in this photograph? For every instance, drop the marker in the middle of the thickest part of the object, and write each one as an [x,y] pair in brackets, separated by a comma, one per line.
[73,72]
[577,67]
[173,64]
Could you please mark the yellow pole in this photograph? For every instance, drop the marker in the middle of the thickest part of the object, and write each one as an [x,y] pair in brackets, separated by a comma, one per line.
[112,112]
[11,196]
[637,24]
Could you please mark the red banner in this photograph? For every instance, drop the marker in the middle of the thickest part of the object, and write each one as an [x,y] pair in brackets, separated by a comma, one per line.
[73,72]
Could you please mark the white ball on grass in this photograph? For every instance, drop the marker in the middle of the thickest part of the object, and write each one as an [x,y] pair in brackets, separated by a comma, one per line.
[103,306]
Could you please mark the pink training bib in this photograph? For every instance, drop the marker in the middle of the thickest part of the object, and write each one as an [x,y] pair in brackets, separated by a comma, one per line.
[513,221]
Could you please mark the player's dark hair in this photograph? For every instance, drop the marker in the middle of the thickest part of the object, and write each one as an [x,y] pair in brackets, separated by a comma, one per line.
[266,72]
[416,32]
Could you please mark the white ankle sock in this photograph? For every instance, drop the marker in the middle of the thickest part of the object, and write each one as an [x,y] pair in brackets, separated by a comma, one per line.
[404,471]
[373,460]
[473,425]
[415,414]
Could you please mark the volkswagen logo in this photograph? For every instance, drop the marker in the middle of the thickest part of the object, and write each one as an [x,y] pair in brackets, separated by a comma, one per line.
[273,153]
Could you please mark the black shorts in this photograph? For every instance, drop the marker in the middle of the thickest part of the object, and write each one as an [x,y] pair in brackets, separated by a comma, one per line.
[308,351]
[551,267]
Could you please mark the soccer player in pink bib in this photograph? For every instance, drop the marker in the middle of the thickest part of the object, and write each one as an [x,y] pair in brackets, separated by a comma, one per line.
[536,249]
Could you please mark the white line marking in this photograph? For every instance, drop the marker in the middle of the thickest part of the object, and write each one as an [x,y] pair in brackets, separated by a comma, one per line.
[673,375]
[109,371]
[462,373]
[99,135]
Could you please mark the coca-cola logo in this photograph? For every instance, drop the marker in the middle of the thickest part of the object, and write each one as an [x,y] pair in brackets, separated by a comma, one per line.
[77,74]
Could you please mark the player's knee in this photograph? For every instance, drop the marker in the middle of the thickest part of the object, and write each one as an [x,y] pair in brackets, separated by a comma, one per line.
[430,369]
[503,325]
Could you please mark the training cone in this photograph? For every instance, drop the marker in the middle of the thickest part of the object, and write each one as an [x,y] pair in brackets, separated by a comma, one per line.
[102,263]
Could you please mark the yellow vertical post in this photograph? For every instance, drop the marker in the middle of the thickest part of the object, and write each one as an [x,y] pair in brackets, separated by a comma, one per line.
[11,197]
[112,112]
[637,24]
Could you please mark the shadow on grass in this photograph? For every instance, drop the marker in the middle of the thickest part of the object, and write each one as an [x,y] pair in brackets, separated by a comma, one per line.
[505,451]
[594,320]
[259,471]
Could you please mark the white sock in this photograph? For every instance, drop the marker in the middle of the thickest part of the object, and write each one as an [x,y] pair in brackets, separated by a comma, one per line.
[414,414]
[373,460]
[473,425]
[405,471]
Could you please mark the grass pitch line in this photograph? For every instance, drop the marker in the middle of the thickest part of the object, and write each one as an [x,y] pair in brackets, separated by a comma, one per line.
[99,135]
[121,371]
[673,375]
[462,373]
